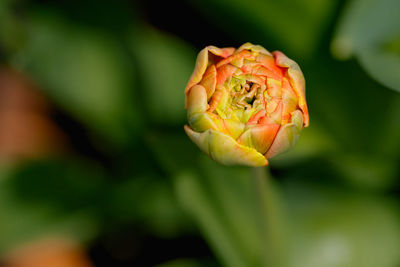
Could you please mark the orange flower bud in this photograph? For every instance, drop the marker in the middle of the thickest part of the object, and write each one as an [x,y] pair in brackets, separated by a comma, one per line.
[245,105]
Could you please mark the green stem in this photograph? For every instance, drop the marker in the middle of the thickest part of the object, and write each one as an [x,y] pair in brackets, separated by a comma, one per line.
[270,218]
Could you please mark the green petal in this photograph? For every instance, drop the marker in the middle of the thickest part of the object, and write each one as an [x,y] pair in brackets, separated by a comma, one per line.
[201,122]
[224,149]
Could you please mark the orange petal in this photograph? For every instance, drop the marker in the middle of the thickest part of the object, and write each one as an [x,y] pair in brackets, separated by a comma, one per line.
[289,100]
[259,137]
[269,63]
[236,57]
[225,72]
[263,71]
[252,78]
[219,97]
[273,104]
[296,80]
[209,80]
[204,59]
[287,136]
[275,116]
[256,117]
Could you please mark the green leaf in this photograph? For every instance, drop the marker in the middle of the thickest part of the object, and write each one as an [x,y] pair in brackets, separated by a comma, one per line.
[226,204]
[11,31]
[296,26]
[334,228]
[370,31]
[181,263]
[195,199]
[150,202]
[173,150]
[48,198]
[84,70]
[164,64]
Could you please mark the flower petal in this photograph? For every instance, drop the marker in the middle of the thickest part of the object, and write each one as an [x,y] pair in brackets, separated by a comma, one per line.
[289,100]
[233,128]
[224,72]
[254,48]
[274,87]
[268,62]
[196,100]
[201,122]
[259,137]
[224,149]
[296,79]
[256,117]
[209,80]
[204,59]
[252,78]
[276,115]
[287,136]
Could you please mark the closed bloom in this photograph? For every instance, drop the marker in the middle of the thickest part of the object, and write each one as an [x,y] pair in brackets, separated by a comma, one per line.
[245,105]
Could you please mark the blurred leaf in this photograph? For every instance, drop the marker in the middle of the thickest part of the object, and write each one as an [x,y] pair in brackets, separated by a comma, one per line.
[332,228]
[194,197]
[164,63]
[84,70]
[11,33]
[350,108]
[41,199]
[359,119]
[64,185]
[389,143]
[180,263]
[296,25]
[225,203]
[150,202]
[173,151]
[314,142]
[370,30]
[368,171]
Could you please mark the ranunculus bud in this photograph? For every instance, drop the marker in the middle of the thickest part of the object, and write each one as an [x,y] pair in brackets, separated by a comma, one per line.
[245,105]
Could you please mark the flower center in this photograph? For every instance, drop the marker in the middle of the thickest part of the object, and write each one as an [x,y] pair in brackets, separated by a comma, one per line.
[241,98]
[246,94]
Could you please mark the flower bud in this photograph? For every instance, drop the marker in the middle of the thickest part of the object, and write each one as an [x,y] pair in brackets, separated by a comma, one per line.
[245,105]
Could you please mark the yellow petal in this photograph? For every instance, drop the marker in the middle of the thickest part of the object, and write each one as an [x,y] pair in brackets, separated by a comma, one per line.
[201,122]
[233,128]
[224,149]
[254,48]
[196,100]
[209,81]
[274,87]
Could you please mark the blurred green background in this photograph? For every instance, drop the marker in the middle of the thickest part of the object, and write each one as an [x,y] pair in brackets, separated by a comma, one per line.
[93,155]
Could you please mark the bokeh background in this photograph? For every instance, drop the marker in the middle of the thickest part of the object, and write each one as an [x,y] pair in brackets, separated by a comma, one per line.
[96,170]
